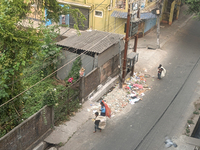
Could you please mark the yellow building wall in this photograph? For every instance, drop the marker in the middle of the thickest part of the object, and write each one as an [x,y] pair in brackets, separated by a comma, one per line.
[116,25]
[107,23]
[95,22]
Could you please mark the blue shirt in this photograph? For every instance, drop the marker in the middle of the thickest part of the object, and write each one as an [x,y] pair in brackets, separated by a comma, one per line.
[103,109]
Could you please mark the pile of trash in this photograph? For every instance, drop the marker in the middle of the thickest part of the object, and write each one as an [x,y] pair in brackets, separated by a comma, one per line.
[132,92]
[136,87]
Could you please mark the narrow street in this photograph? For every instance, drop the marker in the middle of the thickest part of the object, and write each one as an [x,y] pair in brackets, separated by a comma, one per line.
[163,111]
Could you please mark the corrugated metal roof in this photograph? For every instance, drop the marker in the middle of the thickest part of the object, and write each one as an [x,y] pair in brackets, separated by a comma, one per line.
[119,14]
[92,41]
[74,4]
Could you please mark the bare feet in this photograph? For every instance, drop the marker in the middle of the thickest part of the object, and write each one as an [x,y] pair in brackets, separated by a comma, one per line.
[94,131]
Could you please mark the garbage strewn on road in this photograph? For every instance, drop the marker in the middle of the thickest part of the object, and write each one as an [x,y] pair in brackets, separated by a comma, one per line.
[132,92]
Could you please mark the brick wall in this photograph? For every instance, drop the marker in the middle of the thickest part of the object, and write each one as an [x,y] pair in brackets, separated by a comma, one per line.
[91,81]
[99,76]
[26,135]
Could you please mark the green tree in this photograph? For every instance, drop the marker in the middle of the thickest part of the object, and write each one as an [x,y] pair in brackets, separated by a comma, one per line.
[19,46]
[54,10]
[24,51]
[194,7]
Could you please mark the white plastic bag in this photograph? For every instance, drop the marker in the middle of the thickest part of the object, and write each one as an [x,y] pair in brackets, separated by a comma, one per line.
[163,72]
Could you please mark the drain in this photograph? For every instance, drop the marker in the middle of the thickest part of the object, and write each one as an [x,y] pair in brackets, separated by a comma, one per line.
[196,131]
[150,47]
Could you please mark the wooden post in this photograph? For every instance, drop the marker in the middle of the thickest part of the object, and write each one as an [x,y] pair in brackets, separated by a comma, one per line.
[82,87]
[158,31]
[135,43]
[126,43]
[120,65]
[133,67]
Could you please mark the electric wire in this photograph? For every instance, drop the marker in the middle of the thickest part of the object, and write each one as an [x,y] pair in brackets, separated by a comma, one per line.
[45,77]
[63,32]
[168,105]
[40,68]
[52,73]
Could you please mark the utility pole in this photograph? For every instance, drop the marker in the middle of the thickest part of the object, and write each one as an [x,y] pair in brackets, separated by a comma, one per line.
[126,43]
[158,24]
[136,36]
[120,65]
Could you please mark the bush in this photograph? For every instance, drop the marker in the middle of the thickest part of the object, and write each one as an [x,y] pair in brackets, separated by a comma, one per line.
[196,112]
[190,122]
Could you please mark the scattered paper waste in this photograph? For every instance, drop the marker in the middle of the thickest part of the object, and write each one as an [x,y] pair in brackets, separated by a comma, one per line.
[133,101]
[132,91]
[142,94]
[94,111]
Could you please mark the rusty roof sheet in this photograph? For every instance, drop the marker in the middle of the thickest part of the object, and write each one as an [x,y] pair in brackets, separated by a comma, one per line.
[92,41]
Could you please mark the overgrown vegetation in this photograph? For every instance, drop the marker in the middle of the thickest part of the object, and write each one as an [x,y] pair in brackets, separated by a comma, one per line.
[196,112]
[63,111]
[190,122]
[194,7]
[187,130]
[28,63]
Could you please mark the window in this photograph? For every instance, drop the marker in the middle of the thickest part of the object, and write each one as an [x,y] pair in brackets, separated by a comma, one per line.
[63,19]
[120,4]
[98,13]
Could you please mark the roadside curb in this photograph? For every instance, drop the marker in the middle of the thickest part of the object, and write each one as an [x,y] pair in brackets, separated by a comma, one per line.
[179,27]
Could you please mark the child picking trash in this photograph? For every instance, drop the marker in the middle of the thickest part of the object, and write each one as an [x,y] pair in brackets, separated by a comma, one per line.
[96,122]
[99,122]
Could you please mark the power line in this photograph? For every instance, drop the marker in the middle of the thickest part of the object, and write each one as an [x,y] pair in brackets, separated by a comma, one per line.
[40,68]
[39,81]
[52,73]
[63,32]
[96,7]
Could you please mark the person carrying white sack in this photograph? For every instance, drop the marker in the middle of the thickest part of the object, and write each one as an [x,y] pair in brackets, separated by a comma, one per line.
[161,71]
[99,122]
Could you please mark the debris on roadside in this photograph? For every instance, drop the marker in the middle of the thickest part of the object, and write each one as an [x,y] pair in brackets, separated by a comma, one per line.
[132,91]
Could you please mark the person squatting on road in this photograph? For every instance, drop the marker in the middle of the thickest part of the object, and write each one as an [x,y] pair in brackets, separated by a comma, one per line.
[161,71]
[96,122]
[103,109]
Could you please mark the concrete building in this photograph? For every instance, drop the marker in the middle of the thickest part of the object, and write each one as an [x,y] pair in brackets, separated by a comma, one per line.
[110,15]
[171,9]
[96,49]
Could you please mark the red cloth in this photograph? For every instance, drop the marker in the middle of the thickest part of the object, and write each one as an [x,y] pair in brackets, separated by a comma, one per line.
[108,110]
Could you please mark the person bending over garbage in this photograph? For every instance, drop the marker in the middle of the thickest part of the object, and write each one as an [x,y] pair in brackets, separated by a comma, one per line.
[103,109]
[161,71]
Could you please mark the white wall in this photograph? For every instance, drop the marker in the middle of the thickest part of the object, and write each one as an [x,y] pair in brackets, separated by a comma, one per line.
[110,53]
[87,63]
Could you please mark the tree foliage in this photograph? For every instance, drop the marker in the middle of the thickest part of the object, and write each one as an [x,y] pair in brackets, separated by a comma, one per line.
[194,7]
[17,46]
[20,45]
[27,55]
[54,10]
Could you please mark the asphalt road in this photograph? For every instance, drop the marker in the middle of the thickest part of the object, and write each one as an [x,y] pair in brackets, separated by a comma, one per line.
[164,110]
